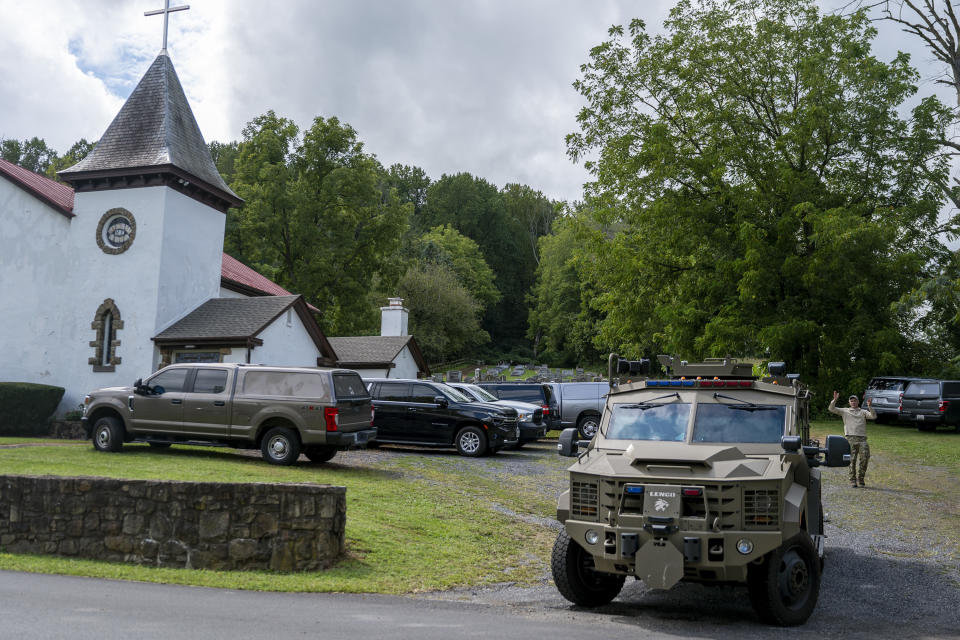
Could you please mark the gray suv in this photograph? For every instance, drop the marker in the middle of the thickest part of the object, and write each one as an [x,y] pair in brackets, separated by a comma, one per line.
[885,392]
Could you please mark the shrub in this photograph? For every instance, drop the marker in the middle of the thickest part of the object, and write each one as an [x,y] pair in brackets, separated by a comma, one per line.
[25,407]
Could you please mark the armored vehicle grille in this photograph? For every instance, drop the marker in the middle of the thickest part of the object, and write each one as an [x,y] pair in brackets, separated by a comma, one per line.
[722,505]
[583,500]
[761,508]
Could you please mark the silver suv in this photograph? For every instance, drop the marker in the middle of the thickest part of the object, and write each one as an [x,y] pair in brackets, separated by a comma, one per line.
[885,392]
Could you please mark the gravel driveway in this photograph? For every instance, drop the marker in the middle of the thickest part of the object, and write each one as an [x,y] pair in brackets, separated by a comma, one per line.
[874,584]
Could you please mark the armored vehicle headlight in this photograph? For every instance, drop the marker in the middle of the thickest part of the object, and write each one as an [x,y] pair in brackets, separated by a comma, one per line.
[744,546]
[592,536]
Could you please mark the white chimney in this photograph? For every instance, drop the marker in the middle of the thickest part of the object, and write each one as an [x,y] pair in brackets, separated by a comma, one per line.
[393,318]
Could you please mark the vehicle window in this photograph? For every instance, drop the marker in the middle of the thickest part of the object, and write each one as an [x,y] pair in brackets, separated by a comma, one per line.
[423,393]
[454,394]
[527,395]
[923,389]
[479,393]
[951,389]
[581,392]
[885,384]
[349,385]
[171,380]
[667,422]
[286,384]
[739,423]
[210,381]
[393,392]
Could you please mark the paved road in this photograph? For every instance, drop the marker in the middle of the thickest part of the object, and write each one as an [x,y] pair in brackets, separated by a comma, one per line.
[52,607]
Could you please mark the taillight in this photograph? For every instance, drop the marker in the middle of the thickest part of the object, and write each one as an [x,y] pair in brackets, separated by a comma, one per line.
[332,417]
[942,405]
[900,403]
[546,409]
[371,415]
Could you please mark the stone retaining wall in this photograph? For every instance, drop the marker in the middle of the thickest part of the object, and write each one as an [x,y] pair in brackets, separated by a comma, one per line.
[202,525]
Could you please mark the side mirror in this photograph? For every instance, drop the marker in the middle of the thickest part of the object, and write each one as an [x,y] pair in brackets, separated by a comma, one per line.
[838,452]
[567,445]
[441,402]
[791,443]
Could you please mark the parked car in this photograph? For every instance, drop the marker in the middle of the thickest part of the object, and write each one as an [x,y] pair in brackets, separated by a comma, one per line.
[580,405]
[930,403]
[884,392]
[434,414]
[536,393]
[530,416]
[283,411]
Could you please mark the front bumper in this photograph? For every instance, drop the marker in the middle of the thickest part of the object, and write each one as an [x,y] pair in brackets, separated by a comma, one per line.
[705,556]
[530,432]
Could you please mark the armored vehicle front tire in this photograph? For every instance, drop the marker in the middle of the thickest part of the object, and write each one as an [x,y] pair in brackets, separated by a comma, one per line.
[320,454]
[471,442]
[784,587]
[280,445]
[575,577]
[108,434]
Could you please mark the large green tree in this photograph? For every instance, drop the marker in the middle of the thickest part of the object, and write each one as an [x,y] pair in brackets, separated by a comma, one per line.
[446,246]
[32,154]
[318,216]
[755,191]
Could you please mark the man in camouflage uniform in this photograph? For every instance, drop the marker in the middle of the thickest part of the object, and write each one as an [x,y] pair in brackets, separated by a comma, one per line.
[855,431]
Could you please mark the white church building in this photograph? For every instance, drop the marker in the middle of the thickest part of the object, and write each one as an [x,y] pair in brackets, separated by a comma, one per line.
[121,271]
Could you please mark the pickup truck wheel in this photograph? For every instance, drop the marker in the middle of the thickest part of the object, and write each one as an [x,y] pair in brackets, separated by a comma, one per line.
[108,434]
[575,577]
[784,587]
[280,446]
[320,454]
[471,442]
[588,426]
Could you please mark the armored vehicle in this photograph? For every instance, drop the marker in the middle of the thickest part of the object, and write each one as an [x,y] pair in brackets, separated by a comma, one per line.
[709,476]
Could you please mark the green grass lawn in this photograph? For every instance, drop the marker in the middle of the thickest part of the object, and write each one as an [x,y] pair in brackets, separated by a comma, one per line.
[414,522]
[434,520]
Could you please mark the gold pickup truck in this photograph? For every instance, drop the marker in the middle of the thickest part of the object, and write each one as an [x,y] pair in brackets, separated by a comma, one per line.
[283,411]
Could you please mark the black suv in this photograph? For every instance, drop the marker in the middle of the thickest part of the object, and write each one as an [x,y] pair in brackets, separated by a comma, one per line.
[433,414]
[533,392]
[929,403]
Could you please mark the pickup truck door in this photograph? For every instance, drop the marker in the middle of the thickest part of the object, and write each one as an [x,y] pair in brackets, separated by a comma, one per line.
[206,407]
[161,413]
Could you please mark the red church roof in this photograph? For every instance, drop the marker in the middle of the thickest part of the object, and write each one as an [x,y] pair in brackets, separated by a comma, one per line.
[239,273]
[59,196]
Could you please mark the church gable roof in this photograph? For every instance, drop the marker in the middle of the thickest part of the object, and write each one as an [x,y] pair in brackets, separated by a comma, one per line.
[155,131]
[59,196]
[236,276]
[238,321]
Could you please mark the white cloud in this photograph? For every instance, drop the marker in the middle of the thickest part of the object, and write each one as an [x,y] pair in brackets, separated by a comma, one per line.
[482,86]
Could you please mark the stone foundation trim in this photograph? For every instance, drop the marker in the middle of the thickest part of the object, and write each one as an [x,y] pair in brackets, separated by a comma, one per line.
[199,525]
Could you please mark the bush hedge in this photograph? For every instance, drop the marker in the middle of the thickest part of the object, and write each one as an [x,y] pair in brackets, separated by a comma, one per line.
[25,408]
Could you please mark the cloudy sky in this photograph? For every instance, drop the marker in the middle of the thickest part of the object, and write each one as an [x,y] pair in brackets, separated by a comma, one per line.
[482,86]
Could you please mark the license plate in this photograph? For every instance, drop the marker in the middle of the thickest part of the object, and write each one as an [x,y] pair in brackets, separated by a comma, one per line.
[920,418]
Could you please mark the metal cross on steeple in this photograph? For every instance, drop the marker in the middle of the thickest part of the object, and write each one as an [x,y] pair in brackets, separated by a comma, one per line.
[166,11]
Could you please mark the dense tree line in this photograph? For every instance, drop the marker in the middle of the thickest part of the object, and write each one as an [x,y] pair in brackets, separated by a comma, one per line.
[756,192]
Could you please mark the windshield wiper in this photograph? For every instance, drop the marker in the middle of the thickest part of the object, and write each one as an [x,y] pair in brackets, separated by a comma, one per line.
[643,406]
[744,405]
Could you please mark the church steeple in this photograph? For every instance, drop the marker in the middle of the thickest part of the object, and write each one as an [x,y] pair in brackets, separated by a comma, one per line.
[154,140]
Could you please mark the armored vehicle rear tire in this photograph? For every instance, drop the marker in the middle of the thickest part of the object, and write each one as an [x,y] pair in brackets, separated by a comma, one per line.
[471,442]
[280,446]
[575,577]
[320,454]
[587,426]
[784,587]
[108,434]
